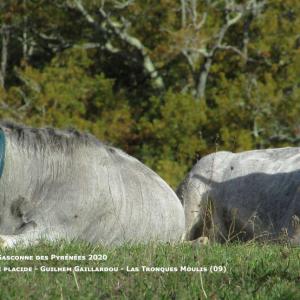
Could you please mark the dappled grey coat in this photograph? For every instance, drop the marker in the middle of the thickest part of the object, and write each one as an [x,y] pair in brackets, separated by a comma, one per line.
[64,184]
[253,194]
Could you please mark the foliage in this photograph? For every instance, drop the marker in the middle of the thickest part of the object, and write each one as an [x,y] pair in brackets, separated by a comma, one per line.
[67,94]
[173,136]
[129,72]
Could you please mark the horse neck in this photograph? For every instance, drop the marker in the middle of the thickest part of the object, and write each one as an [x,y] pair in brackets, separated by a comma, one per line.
[26,169]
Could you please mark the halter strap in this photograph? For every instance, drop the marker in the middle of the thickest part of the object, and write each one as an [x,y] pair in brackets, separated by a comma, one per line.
[2,151]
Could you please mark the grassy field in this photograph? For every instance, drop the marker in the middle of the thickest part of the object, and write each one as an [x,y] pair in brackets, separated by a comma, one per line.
[242,271]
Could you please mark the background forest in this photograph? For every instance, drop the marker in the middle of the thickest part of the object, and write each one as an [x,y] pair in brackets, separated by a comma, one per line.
[168,81]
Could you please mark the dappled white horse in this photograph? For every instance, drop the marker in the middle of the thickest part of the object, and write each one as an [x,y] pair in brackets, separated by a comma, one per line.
[67,185]
[247,195]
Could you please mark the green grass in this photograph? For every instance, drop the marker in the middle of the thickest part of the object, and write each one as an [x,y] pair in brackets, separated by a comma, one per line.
[253,271]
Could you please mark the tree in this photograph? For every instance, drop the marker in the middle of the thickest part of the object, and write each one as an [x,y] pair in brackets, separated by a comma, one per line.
[203,35]
[168,81]
[66,94]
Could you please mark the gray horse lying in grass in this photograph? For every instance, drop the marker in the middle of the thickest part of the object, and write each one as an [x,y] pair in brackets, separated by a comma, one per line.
[245,196]
[67,185]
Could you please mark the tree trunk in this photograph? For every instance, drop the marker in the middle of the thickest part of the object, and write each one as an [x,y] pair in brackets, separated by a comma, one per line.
[4,54]
[202,78]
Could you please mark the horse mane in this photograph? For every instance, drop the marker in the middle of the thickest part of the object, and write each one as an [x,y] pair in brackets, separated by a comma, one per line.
[41,139]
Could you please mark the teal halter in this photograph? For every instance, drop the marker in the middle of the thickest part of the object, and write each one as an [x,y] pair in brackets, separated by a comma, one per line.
[2,151]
